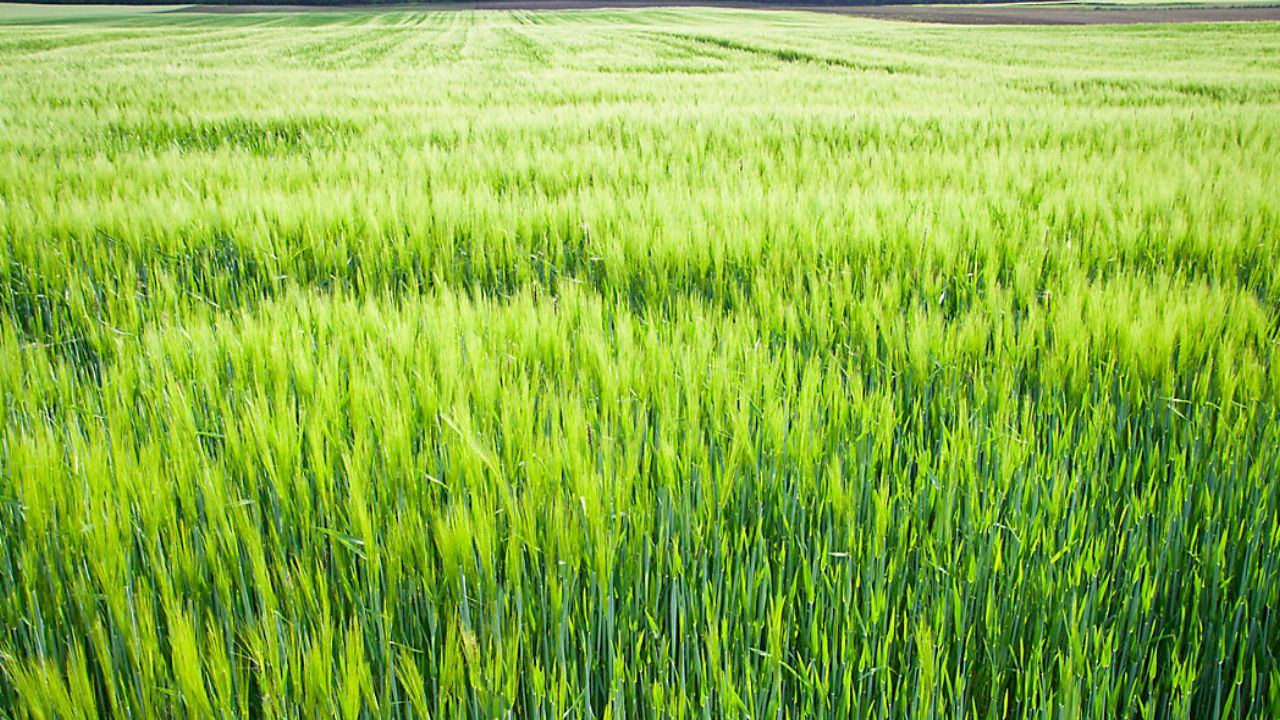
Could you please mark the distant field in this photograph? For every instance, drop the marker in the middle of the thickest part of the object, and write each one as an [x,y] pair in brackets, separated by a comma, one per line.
[43,14]
[668,363]
[1170,3]
[1064,13]
[1054,12]
[1119,12]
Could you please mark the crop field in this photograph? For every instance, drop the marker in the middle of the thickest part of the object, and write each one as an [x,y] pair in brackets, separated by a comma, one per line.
[669,363]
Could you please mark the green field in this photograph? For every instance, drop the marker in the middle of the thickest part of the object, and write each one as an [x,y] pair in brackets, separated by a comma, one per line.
[637,364]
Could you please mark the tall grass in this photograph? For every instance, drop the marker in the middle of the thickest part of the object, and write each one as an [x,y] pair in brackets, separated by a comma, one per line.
[637,364]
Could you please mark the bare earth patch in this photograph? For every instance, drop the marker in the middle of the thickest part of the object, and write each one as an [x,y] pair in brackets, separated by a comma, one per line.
[1059,14]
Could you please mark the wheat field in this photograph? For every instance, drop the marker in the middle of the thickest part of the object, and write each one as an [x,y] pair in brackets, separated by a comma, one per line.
[636,364]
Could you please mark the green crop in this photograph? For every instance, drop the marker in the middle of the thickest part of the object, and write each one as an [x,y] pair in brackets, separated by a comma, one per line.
[651,364]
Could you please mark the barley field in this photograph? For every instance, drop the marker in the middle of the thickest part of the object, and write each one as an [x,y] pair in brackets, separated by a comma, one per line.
[690,363]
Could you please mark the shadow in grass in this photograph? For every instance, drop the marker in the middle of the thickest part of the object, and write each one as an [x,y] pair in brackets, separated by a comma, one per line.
[259,136]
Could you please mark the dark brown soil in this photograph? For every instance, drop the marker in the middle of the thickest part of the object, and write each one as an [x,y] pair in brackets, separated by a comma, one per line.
[1060,14]
[1019,14]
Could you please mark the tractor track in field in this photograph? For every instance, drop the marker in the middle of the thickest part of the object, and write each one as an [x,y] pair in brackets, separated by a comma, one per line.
[1007,14]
